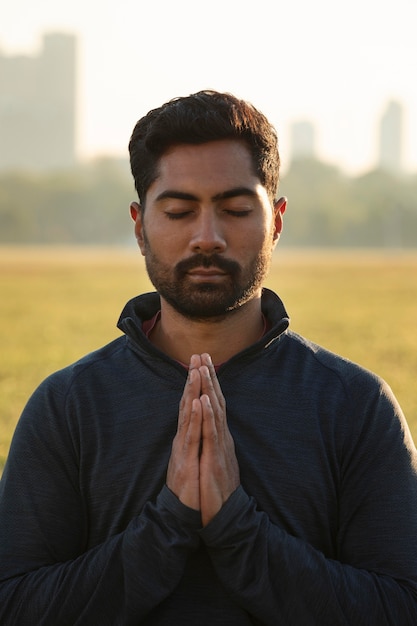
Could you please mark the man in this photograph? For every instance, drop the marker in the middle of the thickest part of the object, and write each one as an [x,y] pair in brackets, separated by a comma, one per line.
[210,467]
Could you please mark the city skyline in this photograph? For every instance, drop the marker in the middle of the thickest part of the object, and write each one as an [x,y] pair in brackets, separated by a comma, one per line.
[37,106]
[335,66]
[38,113]
[391,153]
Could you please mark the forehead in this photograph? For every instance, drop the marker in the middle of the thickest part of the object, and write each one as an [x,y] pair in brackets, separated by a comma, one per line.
[221,163]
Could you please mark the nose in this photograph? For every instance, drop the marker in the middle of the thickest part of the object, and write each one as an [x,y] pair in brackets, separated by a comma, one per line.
[208,235]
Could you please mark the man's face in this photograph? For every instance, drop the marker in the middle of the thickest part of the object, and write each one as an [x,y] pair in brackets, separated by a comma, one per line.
[208,230]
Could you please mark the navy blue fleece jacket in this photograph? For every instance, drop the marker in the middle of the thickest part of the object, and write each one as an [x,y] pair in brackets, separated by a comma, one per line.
[322,531]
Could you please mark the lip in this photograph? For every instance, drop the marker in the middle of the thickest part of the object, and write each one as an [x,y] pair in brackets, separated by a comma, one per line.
[207,271]
[199,273]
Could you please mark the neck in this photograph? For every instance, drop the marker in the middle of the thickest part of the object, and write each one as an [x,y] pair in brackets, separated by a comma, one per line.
[180,337]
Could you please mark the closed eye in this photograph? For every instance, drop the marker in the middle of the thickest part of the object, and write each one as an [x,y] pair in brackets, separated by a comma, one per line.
[242,213]
[177,215]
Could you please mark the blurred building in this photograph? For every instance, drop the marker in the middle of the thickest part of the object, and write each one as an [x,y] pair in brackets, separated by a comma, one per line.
[302,140]
[391,138]
[38,106]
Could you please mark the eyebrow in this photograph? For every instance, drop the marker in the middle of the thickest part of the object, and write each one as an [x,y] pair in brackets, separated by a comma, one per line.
[223,195]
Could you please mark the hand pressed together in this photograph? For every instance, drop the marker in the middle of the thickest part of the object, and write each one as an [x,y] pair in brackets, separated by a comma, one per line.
[203,470]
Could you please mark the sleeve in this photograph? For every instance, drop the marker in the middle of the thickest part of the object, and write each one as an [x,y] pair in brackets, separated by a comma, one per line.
[47,575]
[282,579]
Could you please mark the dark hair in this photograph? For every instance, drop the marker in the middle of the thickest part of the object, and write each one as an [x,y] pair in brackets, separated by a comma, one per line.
[196,119]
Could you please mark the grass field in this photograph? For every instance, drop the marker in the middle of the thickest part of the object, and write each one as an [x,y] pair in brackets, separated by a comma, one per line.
[58,304]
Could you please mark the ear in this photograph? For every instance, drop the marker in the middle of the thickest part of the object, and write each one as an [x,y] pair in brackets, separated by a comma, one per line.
[136,212]
[279,210]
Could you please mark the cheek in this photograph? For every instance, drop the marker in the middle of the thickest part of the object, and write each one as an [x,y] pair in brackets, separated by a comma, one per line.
[163,245]
[258,239]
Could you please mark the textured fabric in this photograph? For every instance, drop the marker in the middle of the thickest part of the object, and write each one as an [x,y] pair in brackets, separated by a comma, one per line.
[322,530]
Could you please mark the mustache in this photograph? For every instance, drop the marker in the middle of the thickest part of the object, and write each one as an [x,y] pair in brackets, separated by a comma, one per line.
[203,260]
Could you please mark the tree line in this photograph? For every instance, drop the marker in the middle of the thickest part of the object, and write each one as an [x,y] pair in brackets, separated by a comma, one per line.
[326,208]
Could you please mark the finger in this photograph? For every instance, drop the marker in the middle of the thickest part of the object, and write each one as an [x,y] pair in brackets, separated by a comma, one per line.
[206,360]
[192,439]
[212,389]
[219,470]
[189,444]
[184,465]
[195,361]
[187,441]
[209,428]
[192,391]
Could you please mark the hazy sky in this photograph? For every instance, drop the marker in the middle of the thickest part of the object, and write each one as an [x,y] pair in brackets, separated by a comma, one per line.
[336,64]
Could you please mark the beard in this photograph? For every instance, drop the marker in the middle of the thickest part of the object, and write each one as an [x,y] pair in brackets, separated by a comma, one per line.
[208,300]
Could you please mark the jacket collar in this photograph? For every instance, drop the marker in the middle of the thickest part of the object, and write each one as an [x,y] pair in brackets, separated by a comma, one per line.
[145,306]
